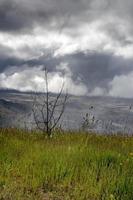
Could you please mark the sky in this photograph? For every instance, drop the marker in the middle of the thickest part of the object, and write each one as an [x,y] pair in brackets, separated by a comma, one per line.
[88,44]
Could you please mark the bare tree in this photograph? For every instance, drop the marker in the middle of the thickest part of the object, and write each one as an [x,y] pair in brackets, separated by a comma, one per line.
[48,108]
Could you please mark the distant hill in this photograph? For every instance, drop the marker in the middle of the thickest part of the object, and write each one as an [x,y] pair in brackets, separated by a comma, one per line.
[14,106]
[112,114]
[10,111]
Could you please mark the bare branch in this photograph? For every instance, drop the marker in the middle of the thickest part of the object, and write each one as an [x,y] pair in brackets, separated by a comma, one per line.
[56,101]
[61,113]
[48,110]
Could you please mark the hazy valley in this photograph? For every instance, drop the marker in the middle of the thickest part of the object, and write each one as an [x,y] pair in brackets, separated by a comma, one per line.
[111,114]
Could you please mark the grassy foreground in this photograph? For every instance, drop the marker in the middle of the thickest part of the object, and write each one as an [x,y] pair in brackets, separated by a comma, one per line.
[75,166]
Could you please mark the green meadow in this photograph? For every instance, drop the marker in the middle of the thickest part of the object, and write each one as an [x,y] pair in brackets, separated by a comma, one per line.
[68,166]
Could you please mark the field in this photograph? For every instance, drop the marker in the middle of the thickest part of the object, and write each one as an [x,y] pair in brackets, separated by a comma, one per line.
[69,166]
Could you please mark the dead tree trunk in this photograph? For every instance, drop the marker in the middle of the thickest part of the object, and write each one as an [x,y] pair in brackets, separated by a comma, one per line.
[48,108]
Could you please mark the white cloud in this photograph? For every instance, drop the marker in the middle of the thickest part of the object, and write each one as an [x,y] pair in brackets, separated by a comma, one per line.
[34,79]
[98,92]
[122,86]
[88,36]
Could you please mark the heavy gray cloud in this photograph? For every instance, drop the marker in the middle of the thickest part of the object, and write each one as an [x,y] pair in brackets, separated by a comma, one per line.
[92,39]
[93,69]
[16,15]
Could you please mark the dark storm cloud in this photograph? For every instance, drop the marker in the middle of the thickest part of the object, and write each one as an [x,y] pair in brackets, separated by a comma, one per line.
[23,15]
[12,17]
[18,15]
[8,62]
[95,68]
[7,59]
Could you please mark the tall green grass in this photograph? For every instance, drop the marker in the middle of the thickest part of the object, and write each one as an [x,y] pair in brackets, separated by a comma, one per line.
[75,166]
